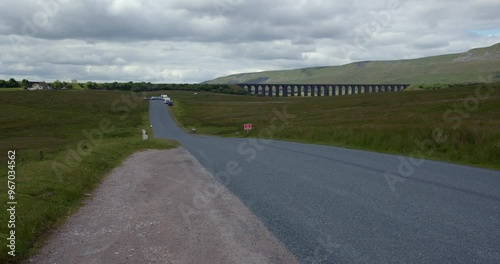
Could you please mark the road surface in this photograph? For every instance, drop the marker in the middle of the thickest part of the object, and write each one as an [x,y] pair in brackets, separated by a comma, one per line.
[335,205]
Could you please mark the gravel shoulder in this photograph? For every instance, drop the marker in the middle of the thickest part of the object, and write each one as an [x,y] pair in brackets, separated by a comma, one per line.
[162,207]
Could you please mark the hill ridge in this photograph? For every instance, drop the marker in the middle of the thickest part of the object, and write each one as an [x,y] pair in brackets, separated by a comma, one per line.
[465,67]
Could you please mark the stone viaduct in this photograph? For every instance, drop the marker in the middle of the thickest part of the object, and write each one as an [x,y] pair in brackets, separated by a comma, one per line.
[285,90]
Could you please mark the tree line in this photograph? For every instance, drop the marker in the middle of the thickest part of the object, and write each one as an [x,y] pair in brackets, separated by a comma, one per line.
[147,86]
[12,83]
[129,86]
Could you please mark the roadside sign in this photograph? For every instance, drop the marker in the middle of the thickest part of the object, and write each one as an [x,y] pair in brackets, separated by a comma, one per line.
[248,126]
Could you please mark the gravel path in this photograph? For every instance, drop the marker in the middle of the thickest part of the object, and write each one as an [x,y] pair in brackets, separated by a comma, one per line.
[162,207]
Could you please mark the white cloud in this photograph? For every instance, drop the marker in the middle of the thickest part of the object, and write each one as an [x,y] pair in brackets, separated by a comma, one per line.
[127,7]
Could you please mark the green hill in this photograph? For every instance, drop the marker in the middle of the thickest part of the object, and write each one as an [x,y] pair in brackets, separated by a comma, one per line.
[468,67]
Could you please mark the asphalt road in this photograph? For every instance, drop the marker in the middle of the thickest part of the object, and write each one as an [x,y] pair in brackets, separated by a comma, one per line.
[335,205]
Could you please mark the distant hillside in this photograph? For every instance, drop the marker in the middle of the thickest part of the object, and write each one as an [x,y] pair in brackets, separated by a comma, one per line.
[465,67]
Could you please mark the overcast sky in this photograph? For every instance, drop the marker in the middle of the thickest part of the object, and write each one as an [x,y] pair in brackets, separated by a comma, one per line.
[196,40]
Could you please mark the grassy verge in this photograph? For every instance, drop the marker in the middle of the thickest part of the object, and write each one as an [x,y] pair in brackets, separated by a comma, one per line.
[65,143]
[468,126]
[10,89]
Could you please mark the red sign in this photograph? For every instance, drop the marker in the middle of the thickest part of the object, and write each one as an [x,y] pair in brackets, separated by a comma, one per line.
[248,126]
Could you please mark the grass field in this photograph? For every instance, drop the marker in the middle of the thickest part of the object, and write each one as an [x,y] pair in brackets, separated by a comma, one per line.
[65,143]
[10,89]
[450,124]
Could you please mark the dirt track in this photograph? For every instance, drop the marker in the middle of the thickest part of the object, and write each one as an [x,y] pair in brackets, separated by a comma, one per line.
[162,207]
